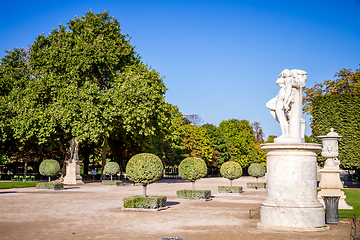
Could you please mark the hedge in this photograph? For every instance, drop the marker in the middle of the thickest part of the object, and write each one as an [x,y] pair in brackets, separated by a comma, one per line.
[111,182]
[256,185]
[229,189]
[341,112]
[149,202]
[49,185]
[194,194]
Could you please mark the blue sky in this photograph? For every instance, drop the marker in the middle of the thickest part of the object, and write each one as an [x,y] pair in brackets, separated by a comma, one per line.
[220,59]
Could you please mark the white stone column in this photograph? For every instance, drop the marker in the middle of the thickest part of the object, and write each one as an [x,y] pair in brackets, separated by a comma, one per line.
[291,203]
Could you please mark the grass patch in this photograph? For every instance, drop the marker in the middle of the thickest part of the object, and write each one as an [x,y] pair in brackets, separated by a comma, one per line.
[352,199]
[6,185]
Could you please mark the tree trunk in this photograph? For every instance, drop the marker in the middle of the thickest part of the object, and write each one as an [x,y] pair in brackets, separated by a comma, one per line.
[144,190]
[231,183]
[103,158]
[111,177]
[193,185]
[49,178]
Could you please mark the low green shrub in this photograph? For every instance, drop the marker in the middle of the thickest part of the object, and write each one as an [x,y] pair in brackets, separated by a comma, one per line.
[256,170]
[144,168]
[229,189]
[111,168]
[47,185]
[111,182]
[149,202]
[49,168]
[231,170]
[256,185]
[193,194]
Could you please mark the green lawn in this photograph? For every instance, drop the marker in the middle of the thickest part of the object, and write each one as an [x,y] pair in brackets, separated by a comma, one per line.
[17,184]
[352,199]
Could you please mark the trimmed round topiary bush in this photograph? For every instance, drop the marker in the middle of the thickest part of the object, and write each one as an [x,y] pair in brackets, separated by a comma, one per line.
[231,170]
[256,170]
[144,168]
[49,167]
[192,168]
[111,168]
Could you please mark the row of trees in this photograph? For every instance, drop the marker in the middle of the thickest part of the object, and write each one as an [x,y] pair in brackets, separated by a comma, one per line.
[85,81]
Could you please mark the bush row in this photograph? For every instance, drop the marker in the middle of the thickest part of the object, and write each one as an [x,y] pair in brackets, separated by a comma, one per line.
[111,182]
[49,185]
[229,189]
[149,202]
[193,194]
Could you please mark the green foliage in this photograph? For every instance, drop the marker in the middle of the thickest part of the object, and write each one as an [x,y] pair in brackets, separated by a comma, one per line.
[111,168]
[240,134]
[150,202]
[192,169]
[82,80]
[48,185]
[144,168]
[223,150]
[340,112]
[229,189]
[271,139]
[256,170]
[49,167]
[256,185]
[111,182]
[347,82]
[193,194]
[231,170]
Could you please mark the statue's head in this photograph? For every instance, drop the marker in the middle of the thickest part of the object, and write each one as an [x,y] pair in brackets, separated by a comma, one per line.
[285,73]
[300,75]
[283,76]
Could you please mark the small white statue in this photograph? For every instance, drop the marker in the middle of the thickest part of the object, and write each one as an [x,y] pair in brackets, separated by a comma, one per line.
[286,107]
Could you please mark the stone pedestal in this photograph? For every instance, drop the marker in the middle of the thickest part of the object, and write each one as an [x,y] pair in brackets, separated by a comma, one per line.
[331,185]
[291,203]
[73,173]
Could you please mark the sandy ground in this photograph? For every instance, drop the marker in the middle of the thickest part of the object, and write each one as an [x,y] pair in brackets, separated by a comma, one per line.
[92,211]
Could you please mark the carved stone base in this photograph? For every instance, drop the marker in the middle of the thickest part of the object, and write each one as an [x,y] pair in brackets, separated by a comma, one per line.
[73,173]
[291,203]
[331,185]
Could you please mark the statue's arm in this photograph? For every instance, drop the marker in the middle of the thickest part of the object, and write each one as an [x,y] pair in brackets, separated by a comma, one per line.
[288,94]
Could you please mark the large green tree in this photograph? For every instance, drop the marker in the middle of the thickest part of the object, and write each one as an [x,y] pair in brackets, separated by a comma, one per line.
[347,82]
[240,134]
[87,82]
[223,149]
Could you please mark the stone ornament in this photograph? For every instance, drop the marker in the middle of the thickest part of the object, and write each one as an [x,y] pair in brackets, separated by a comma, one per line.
[330,183]
[286,106]
[330,149]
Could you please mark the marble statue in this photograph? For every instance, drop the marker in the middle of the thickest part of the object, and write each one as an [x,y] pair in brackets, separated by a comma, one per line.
[74,150]
[286,107]
[72,175]
[291,202]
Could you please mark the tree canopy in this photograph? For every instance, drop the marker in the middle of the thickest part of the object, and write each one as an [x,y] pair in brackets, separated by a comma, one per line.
[240,134]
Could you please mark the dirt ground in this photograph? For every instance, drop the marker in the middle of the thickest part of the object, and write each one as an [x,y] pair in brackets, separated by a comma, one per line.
[92,211]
